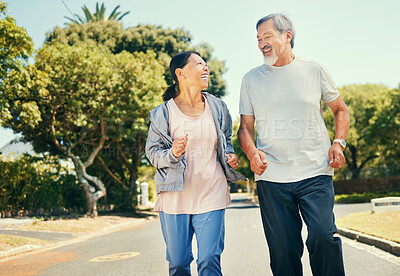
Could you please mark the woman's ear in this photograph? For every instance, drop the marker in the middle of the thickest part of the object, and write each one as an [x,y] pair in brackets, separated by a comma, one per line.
[179,73]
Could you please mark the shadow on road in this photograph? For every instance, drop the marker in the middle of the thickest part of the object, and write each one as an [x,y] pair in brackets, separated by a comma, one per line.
[143,213]
[242,207]
[242,203]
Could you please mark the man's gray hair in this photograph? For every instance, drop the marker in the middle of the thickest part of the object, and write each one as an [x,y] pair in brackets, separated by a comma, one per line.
[282,24]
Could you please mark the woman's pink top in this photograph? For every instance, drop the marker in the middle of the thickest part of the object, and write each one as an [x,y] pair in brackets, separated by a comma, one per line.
[206,188]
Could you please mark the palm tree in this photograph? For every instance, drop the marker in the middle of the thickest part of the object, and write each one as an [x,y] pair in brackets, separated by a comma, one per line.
[99,15]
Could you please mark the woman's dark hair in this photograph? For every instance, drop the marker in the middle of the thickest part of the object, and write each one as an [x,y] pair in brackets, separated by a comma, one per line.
[177,61]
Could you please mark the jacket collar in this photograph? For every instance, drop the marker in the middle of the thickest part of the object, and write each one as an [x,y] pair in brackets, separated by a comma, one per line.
[159,116]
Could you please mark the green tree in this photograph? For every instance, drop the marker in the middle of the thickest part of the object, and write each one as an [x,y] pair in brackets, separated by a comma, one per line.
[365,102]
[15,49]
[387,125]
[118,163]
[244,163]
[99,15]
[142,38]
[80,93]
[137,96]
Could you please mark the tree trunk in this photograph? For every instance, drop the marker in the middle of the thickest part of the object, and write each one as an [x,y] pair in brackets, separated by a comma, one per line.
[92,195]
[132,167]
[133,187]
[355,173]
[353,163]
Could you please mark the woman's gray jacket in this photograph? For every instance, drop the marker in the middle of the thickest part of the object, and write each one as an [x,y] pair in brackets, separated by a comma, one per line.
[170,174]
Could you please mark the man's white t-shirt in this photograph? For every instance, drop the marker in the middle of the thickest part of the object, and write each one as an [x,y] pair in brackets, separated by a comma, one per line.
[286,104]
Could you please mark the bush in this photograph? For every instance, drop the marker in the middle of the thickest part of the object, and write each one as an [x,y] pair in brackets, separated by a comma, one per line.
[363,197]
[31,183]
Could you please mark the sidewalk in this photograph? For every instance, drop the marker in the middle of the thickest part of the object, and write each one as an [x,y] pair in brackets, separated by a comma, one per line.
[9,226]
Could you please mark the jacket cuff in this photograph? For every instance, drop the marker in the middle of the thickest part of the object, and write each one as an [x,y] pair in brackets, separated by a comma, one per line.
[172,159]
[229,149]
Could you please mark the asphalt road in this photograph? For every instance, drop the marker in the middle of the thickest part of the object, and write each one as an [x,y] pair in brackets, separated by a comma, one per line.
[141,251]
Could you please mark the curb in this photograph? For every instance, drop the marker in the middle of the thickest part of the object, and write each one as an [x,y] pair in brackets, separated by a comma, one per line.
[19,250]
[388,246]
[30,249]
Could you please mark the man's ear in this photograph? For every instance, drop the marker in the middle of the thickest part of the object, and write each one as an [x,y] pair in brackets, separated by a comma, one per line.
[289,36]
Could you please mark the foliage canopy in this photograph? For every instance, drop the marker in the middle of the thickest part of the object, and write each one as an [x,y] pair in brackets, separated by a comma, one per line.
[15,49]
[142,38]
[367,104]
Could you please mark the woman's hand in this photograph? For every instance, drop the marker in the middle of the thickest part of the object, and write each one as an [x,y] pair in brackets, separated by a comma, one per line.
[233,160]
[179,145]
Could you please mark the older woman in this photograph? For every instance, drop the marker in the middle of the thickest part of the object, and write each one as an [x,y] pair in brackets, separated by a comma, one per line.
[189,143]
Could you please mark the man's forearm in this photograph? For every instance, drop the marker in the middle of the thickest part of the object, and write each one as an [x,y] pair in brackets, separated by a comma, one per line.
[341,115]
[246,141]
[342,124]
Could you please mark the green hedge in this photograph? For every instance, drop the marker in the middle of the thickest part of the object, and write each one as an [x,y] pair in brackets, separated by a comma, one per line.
[367,185]
[363,197]
[31,184]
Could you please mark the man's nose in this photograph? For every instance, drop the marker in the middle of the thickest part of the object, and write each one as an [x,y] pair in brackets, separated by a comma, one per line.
[263,43]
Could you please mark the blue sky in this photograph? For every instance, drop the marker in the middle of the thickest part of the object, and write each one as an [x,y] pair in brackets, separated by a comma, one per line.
[356,40]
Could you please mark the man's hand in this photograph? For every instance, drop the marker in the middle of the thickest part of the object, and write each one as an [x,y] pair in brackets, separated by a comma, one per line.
[233,160]
[336,156]
[179,145]
[258,162]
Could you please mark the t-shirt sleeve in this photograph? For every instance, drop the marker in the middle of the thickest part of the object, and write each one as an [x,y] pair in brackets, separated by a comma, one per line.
[245,105]
[329,92]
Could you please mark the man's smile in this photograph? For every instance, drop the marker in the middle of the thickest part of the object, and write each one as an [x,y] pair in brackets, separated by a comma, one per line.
[266,49]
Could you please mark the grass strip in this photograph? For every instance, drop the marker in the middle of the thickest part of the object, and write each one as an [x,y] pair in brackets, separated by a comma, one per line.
[79,225]
[382,225]
[8,242]
[76,225]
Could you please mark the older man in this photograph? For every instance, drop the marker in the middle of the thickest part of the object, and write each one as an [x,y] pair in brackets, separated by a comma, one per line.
[294,160]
